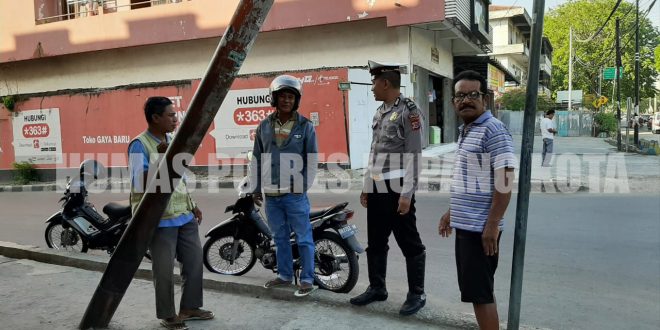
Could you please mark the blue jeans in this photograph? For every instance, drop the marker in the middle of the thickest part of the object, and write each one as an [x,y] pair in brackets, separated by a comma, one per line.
[285,214]
[547,151]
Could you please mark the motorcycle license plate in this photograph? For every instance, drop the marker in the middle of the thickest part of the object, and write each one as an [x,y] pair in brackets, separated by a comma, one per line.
[348,231]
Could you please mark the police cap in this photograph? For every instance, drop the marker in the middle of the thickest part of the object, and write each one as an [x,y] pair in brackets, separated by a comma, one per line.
[376,68]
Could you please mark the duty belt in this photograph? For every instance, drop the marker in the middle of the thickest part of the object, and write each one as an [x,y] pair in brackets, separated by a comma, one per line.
[400,173]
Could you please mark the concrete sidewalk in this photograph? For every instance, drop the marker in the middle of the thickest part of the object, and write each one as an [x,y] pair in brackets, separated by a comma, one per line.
[44,296]
[46,289]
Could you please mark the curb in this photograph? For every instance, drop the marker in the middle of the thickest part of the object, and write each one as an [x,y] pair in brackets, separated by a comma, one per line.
[243,286]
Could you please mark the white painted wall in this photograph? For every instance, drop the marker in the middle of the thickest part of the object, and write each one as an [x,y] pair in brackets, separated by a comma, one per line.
[421,43]
[361,110]
[500,31]
[334,45]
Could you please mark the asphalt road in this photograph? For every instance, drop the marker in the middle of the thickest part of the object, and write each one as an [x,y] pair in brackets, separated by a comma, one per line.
[592,260]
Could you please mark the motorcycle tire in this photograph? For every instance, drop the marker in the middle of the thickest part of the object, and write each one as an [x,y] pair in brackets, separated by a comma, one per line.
[217,252]
[56,228]
[322,264]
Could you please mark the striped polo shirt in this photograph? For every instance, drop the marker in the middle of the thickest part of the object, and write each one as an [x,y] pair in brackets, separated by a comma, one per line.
[484,146]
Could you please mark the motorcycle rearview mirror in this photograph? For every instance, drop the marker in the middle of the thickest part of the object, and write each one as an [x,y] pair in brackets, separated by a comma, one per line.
[243,186]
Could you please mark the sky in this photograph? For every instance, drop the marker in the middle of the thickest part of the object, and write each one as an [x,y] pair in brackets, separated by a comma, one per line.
[643,4]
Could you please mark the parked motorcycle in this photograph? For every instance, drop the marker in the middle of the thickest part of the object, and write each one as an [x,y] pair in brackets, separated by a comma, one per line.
[234,245]
[78,226]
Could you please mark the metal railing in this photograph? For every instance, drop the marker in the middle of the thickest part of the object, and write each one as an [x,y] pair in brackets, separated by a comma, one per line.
[94,8]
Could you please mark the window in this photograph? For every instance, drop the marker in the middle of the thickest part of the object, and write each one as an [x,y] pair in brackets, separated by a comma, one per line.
[47,11]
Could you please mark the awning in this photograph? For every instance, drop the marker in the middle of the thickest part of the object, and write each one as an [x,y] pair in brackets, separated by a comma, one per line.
[480,64]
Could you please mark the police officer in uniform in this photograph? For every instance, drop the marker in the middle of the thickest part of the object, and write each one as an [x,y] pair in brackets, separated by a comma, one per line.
[389,187]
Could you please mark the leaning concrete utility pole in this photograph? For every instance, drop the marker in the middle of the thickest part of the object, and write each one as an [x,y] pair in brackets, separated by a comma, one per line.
[223,69]
[524,183]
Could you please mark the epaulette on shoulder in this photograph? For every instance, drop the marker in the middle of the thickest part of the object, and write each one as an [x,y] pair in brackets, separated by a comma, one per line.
[410,104]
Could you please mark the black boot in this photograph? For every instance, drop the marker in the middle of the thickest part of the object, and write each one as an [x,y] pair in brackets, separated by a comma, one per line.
[377,267]
[416,298]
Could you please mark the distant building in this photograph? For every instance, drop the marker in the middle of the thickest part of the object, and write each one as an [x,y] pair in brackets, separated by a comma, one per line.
[511,41]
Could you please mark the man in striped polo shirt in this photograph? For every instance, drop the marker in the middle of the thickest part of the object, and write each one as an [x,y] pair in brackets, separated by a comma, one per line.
[480,193]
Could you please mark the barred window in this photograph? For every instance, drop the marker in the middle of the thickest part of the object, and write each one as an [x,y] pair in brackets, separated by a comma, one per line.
[47,11]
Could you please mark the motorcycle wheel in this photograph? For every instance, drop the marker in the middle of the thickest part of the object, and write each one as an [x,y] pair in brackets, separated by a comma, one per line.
[336,264]
[66,239]
[217,256]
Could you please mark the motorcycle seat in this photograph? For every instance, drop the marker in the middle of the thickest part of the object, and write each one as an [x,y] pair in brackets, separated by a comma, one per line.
[317,212]
[116,210]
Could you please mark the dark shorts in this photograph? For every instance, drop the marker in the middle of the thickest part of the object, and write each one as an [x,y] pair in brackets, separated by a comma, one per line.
[476,271]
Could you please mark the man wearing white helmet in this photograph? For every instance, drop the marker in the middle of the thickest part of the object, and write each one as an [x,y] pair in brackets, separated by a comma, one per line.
[285,161]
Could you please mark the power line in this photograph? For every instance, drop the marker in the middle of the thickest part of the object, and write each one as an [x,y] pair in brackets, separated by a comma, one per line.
[610,54]
[510,7]
[604,24]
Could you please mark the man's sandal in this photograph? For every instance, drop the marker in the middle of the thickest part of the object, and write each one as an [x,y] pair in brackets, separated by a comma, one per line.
[176,324]
[196,314]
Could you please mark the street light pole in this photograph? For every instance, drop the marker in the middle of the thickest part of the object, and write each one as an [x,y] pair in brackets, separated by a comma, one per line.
[570,67]
[617,72]
[223,69]
[636,125]
[600,76]
[524,183]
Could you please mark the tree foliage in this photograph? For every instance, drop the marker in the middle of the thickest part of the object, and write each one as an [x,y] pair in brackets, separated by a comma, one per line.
[514,99]
[586,17]
[606,122]
[657,58]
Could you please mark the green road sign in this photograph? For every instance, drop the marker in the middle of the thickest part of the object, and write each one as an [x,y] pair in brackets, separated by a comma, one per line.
[610,73]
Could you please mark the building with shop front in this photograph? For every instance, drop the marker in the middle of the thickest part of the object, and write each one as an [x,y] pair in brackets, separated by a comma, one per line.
[81,70]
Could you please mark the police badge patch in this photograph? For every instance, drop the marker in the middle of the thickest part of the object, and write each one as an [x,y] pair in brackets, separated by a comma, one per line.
[414,121]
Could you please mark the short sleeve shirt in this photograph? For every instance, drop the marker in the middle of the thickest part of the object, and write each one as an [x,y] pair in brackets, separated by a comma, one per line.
[485,145]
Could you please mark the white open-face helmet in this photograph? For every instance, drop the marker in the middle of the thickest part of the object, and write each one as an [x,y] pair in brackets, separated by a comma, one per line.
[288,83]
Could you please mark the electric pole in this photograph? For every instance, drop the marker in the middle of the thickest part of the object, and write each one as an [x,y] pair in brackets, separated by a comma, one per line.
[600,76]
[618,88]
[570,67]
[636,125]
[221,72]
[524,183]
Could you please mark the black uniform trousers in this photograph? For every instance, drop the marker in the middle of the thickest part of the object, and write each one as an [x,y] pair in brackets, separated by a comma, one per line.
[383,219]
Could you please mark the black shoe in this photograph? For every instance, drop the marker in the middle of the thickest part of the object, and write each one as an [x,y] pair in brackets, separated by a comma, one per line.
[416,299]
[377,267]
[413,303]
[370,296]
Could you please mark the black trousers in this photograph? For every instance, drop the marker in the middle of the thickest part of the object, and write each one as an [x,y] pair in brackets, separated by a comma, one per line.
[383,219]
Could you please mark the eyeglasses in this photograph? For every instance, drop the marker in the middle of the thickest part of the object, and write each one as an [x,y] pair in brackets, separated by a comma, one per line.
[458,98]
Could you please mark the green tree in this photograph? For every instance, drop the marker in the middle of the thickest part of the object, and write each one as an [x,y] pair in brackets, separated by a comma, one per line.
[586,17]
[657,58]
[514,99]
